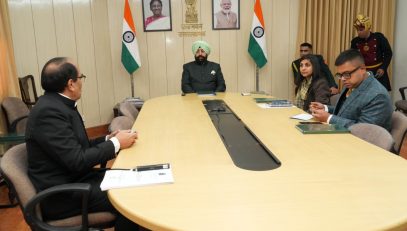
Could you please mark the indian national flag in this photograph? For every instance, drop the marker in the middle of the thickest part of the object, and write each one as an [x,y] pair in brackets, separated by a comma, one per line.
[257,41]
[130,52]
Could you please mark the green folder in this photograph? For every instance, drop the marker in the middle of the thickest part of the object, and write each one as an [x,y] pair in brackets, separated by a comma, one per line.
[321,128]
[264,100]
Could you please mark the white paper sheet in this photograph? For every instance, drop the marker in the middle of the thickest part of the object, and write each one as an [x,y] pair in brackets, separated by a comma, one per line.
[303,116]
[129,178]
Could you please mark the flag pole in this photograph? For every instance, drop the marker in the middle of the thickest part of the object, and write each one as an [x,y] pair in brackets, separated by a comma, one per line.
[257,78]
[132,85]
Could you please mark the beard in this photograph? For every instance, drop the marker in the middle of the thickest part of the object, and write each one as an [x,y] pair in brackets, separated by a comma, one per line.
[200,59]
[226,11]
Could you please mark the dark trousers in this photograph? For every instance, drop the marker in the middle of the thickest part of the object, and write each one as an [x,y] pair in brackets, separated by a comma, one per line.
[70,204]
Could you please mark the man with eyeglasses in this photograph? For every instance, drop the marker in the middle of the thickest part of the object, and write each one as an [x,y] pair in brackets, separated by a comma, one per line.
[363,99]
[59,151]
[306,49]
[375,49]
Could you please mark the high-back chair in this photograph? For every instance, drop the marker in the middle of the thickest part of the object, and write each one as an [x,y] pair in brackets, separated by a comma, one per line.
[373,134]
[334,99]
[14,167]
[398,129]
[401,105]
[28,90]
[129,110]
[121,123]
[16,113]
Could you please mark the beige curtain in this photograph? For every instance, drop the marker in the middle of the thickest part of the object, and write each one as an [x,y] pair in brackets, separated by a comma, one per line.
[8,73]
[328,24]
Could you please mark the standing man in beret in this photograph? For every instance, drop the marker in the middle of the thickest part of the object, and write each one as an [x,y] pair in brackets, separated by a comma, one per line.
[375,49]
[202,75]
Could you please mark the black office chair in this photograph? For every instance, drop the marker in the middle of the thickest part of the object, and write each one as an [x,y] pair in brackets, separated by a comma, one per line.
[14,167]
[28,90]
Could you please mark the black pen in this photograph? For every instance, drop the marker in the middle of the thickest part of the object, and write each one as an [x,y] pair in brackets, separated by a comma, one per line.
[151,167]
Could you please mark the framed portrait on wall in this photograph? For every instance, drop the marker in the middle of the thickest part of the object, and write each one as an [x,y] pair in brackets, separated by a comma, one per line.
[157,15]
[225,14]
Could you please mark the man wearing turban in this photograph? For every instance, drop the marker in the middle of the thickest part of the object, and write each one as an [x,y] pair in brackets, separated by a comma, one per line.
[375,49]
[202,75]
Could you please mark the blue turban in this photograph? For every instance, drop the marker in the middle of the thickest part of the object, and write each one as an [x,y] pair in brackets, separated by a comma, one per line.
[201,44]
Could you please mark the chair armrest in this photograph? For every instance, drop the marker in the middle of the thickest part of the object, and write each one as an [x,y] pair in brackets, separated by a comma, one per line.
[31,215]
[402,93]
[13,126]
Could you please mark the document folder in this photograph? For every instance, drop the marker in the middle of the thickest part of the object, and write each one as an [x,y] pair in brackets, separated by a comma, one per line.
[321,128]
[263,100]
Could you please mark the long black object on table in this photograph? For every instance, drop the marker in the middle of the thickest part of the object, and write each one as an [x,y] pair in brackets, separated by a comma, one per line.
[245,149]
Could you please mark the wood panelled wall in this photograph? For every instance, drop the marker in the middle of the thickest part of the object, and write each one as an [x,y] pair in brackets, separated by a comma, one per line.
[89,31]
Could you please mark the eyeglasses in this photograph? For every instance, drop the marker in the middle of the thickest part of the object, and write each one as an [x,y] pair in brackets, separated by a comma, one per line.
[82,76]
[346,74]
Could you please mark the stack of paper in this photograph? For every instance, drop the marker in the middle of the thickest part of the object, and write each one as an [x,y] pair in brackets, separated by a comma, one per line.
[280,103]
[274,103]
[139,176]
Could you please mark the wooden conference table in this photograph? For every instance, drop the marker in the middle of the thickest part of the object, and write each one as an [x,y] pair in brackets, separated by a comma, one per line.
[325,182]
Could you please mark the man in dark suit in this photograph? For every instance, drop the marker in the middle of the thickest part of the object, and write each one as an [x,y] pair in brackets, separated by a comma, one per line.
[306,49]
[59,150]
[363,99]
[202,75]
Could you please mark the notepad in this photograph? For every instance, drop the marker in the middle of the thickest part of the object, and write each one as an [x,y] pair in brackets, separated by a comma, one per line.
[139,176]
[321,128]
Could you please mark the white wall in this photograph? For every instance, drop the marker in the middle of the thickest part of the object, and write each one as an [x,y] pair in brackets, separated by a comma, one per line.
[400,50]
[90,31]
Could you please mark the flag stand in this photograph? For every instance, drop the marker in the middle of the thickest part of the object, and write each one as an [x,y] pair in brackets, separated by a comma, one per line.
[257,83]
[132,85]
[257,78]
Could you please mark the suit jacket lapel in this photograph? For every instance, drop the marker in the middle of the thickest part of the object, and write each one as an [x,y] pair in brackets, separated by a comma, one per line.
[353,96]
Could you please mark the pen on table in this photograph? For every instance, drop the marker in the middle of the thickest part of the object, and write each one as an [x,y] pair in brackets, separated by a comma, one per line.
[151,167]
[144,167]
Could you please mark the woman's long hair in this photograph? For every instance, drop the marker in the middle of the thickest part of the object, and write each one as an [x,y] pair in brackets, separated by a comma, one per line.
[316,71]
